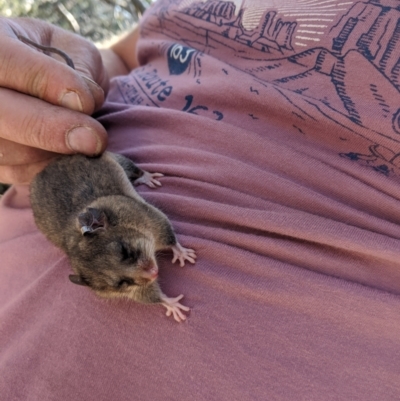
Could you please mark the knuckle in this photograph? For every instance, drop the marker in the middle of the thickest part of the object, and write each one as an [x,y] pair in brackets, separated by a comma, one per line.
[33,128]
[7,69]
[37,83]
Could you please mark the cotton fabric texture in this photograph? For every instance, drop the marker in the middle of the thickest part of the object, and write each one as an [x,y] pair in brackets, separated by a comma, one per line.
[277,127]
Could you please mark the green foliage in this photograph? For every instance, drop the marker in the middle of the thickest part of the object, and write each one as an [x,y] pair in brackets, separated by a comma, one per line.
[97,20]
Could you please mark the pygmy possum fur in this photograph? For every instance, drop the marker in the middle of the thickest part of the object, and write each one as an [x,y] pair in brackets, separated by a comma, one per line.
[88,207]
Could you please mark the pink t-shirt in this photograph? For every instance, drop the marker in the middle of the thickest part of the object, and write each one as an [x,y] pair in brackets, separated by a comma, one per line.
[276,124]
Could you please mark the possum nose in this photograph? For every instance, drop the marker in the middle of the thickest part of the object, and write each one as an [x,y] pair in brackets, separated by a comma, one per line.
[150,270]
[149,266]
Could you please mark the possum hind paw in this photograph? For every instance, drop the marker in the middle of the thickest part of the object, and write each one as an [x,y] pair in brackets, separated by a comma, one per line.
[149,179]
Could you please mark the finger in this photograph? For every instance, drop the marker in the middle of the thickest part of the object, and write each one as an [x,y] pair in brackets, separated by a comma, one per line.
[22,174]
[87,59]
[30,71]
[97,91]
[48,127]
[12,154]
[88,63]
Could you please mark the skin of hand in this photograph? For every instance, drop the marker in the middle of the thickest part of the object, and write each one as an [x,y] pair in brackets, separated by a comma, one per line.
[45,105]
[120,57]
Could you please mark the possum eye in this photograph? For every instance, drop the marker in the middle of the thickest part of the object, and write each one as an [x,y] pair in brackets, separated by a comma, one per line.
[125,252]
[125,282]
[130,256]
[134,256]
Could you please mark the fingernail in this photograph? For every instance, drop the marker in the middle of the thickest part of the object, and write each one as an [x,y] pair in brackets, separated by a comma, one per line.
[71,101]
[83,140]
[94,85]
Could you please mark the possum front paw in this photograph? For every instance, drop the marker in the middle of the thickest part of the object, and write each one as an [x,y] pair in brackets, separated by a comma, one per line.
[149,179]
[174,307]
[182,254]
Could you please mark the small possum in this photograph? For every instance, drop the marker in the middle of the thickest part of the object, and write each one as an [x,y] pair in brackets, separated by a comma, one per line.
[88,207]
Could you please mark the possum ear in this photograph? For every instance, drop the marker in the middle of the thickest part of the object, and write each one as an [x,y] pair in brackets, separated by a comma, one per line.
[74,278]
[92,220]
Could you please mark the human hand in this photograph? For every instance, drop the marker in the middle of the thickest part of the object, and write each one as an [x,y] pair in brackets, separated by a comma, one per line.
[45,105]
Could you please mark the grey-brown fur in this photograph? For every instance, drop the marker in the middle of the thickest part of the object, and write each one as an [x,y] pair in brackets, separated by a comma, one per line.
[88,207]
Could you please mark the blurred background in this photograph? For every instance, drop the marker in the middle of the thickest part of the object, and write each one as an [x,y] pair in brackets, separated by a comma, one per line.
[97,20]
